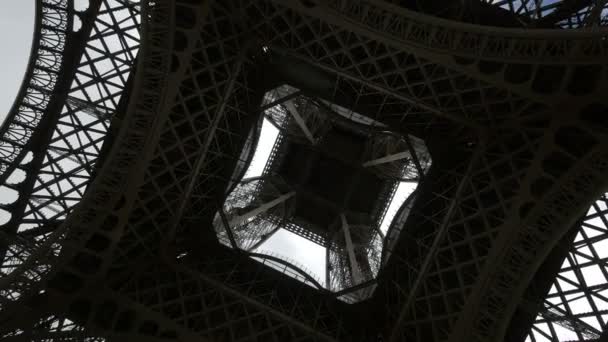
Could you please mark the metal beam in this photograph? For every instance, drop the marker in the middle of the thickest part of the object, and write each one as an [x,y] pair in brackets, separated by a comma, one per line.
[263,239]
[42,136]
[89,108]
[328,264]
[410,146]
[236,221]
[281,100]
[221,286]
[354,266]
[439,236]
[291,108]
[204,149]
[396,94]
[387,159]
[227,227]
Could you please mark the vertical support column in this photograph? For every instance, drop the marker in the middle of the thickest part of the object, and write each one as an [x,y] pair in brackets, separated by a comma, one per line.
[299,120]
[354,266]
[414,153]
[328,265]
[262,208]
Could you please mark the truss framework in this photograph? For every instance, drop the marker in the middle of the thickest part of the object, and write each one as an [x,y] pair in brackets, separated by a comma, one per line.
[55,167]
[576,306]
[453,275]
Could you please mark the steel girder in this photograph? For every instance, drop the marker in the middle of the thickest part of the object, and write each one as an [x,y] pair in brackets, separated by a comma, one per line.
[455,275]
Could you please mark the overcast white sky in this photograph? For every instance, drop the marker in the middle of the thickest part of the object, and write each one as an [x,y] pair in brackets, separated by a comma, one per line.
[16,29]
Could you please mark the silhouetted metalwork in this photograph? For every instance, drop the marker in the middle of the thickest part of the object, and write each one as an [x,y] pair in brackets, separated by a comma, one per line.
[126,213]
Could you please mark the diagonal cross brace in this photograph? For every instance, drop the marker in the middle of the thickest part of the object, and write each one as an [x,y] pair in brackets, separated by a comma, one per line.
[441,233]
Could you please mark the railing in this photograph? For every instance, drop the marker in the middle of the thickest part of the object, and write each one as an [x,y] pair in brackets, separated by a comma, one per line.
[40,255]
[433,33]
[288,267]
[53,22]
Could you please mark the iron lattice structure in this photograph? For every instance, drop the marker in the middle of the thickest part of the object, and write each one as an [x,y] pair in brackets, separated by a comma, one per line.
[134,116]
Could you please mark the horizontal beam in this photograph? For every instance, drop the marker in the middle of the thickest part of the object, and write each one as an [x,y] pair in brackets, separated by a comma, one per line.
[385,90]
[388,159]
[299,120]
[238,220]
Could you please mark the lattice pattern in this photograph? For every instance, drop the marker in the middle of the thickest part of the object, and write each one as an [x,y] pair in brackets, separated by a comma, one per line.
[476,236]
[468,236]
[246,196]
[203,138]
[419,85]
[197,297]
[558,194]
[531,65]
[53,24]
[409,167]
[560,13]
[282,106]
[53,328]
[106,184]
[576,307]
[56,177]
[80,131]
[314,118]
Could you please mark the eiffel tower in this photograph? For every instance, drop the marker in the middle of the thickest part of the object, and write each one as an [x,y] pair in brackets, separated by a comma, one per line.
[444,162]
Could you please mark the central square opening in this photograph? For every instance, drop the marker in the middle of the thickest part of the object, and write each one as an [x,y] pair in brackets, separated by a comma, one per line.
[321,192]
